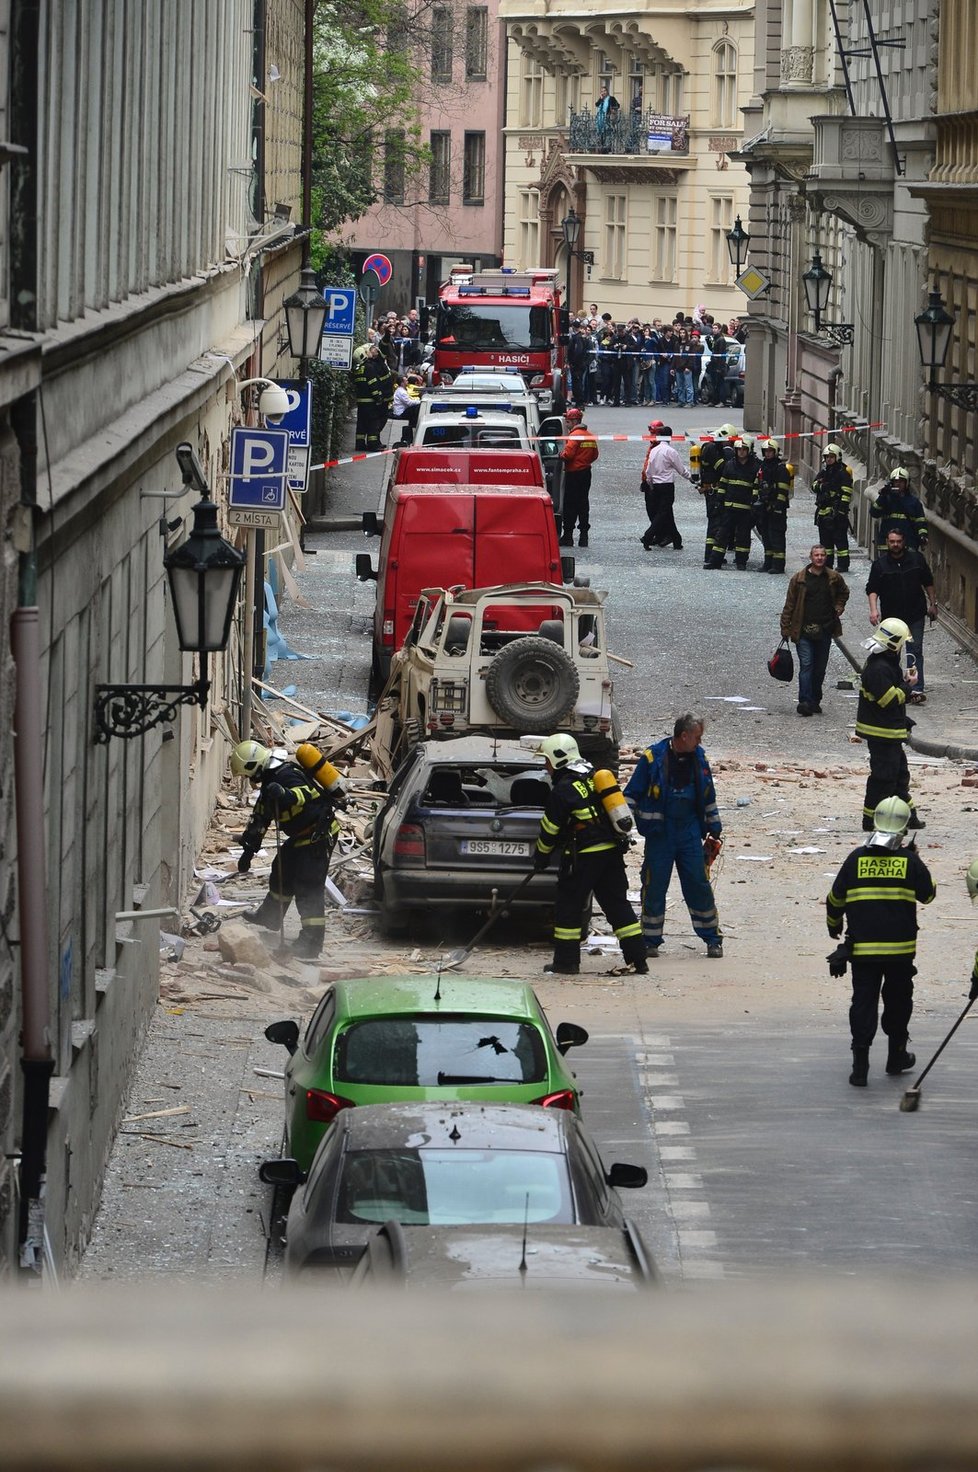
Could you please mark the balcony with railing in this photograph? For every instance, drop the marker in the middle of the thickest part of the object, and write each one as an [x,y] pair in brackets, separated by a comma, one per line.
[635,134]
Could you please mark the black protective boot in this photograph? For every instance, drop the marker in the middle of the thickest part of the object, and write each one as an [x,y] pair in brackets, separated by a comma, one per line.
[766,565]
[567,958]
[634,952]
[898,1060]
[309,943]
[268,914]
[860,1067]
[916,821]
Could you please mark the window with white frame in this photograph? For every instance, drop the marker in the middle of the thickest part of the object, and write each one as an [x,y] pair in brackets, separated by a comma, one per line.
[615,220]
[531,92]
[721,221]
[529,232]
[636,86]
[604,75]
[567,91]
[664,90]
[665,214]
[724,104]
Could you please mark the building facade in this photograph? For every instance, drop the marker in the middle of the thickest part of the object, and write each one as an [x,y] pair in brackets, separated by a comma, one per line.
[651,178]
[452,211]
[142,275]
[861,145]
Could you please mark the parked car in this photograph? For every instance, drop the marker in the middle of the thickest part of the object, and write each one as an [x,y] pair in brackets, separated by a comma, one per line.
[494,1257]
[736,367]
[459,827]
[444,1165]
[382,1038]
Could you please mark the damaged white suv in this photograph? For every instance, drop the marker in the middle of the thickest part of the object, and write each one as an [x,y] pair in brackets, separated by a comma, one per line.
[518,659]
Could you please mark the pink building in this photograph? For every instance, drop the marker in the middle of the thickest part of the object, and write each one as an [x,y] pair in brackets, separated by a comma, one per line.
[453,211]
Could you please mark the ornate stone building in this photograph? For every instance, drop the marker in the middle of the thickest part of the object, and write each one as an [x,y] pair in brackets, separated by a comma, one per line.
[861,144]
[652,181]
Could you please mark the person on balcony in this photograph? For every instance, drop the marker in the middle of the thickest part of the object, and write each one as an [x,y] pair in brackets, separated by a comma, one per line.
[607,111]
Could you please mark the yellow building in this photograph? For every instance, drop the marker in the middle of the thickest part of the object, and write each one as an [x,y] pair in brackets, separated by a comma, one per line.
[649,179]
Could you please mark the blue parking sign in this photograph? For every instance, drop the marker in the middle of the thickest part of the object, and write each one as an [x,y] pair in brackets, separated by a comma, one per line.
[297,421]
[259,462]
[341,302]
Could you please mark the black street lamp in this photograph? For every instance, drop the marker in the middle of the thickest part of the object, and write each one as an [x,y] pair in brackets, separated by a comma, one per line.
[818,283]
[737,242]
[203,572]
[934,326]
[305,318]
[570,227]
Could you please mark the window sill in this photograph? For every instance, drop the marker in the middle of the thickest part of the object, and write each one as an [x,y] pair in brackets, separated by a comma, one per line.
[479,202]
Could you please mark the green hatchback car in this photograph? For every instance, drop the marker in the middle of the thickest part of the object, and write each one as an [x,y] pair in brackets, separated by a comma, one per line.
[376,1039]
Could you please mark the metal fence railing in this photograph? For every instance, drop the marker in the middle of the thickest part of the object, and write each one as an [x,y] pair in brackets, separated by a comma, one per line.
[628,132]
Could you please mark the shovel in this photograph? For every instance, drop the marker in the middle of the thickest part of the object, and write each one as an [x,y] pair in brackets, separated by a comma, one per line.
[459,955]
[910,1102]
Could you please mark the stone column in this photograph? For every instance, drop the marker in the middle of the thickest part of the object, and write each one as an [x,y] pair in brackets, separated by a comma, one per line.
[798,54]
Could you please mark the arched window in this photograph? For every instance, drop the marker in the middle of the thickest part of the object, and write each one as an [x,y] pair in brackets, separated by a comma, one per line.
[725,85]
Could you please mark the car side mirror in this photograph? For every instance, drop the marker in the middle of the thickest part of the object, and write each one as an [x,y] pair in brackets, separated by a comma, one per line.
[364,567]
[286,1172]
[286,1033]
[627,1177]
[569,1035]
[369,523]
[567,566]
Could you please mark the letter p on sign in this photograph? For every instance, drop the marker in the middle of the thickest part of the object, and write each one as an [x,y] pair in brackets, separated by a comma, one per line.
[257,458]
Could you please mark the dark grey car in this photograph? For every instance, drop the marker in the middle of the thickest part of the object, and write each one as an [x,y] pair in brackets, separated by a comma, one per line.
[437,1165]
[461,822]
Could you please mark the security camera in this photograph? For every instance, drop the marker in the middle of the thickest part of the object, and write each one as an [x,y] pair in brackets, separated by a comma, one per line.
[273,403]
[190,468]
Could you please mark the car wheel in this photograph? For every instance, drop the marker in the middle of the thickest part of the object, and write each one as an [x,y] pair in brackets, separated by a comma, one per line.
[531,684]
[392,921]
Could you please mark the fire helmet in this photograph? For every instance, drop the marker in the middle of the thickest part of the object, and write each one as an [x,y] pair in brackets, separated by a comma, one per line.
[889,823]
[560,751]
[727,431]
[249,759]
[971,879]
[768,445]
[899,474]
[573,414]
[892,634]
[832,450]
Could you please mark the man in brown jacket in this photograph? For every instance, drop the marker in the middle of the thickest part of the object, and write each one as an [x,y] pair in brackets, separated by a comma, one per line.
[810,618]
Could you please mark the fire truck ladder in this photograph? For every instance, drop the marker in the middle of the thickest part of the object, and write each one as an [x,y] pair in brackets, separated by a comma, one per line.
[873,50]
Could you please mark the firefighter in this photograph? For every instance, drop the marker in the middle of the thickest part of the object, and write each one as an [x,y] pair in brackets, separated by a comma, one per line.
[592,859]
[373,383]
[736,488]
[579,454]
[881,719]
[897,509]
[832,488]
[289,798]
[771,505]
[713,458]
[877,892]
[672,795]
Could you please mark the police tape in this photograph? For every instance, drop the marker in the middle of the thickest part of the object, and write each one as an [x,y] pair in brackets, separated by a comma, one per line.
[620,439]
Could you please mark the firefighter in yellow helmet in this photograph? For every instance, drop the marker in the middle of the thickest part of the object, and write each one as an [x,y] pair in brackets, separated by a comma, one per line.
[592,861]
[306,816]
[832,488]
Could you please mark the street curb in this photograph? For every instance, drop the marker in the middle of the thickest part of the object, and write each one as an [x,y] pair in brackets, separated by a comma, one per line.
[335,524]
[943,748]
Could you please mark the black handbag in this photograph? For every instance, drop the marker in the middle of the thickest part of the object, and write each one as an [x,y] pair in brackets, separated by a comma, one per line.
[782,664]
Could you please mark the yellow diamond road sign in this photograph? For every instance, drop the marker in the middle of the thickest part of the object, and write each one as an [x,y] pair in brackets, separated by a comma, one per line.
[752,283]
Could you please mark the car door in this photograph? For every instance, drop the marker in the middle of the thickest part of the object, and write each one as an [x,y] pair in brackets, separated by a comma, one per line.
[551,437]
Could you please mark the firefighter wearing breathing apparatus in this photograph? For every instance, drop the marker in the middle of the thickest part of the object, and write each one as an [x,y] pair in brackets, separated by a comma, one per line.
[299,804]
[877,892]
[672,795]
[589,827]
[882,721]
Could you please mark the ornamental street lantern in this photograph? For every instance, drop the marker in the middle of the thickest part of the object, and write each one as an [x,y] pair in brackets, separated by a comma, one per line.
[737,243]
[934,326]
[571,227]
[305,317]
[817,283]
[204,573]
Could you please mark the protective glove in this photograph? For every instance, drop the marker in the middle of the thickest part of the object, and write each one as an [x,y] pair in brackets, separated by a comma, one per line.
[711,847]
[839,959]
[974,985]
[244,863]
[540,861]
[275,793]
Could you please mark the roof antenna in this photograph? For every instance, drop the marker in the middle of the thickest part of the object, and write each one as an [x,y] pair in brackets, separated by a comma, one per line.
[526,1218]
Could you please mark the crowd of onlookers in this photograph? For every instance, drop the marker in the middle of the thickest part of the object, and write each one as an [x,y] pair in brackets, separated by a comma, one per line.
[399,339]
[626,363]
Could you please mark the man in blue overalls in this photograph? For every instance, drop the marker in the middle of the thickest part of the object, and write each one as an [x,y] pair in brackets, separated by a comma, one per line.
[672,795]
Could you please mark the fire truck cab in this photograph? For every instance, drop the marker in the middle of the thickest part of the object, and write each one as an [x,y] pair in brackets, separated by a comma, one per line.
[503,319]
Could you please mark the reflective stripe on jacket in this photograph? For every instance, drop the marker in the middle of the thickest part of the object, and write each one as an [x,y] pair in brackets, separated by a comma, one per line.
[877,892]
[882,709]
[645,792]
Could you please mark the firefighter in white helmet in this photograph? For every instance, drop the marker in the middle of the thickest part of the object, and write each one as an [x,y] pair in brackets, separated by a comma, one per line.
[832,488]
[771,495]
[297,804]
[876,893]
[592,859]
[882,721]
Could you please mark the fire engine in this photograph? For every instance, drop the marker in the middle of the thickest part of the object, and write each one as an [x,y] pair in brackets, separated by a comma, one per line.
[506,320]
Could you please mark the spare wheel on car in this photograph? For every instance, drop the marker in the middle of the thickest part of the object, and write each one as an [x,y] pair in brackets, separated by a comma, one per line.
[531,683]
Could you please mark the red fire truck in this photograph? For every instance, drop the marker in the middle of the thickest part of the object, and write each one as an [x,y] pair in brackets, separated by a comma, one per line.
[506,320]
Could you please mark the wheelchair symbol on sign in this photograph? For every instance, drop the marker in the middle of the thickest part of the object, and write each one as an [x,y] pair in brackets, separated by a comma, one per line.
[270,496]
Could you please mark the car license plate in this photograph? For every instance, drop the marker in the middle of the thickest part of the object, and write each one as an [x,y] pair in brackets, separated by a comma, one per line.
[496,848]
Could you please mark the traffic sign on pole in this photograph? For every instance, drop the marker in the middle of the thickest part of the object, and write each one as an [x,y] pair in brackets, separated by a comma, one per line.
[341,304]
[381,267]
[259,463]
[369,289]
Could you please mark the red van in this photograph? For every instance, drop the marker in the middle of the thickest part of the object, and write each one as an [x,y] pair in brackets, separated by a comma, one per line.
[443,535]
[435,464]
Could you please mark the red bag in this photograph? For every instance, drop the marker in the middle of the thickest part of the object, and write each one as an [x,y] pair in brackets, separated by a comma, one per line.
[781,664]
